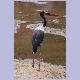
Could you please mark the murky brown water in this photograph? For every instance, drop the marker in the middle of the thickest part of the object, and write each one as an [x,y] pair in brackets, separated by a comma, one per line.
[29,11]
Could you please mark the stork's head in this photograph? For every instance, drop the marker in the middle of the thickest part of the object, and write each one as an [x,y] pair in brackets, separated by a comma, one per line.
[42,13]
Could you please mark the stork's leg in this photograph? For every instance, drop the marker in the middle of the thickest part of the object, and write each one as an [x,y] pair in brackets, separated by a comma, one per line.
[40,57]
[40,51]
[33,60]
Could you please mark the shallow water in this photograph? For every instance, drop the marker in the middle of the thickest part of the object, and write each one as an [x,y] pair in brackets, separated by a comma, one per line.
[37,2]
[49,30]
[29,11]
[26,14]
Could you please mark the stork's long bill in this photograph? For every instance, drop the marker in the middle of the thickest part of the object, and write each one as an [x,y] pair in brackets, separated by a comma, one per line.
[50,14]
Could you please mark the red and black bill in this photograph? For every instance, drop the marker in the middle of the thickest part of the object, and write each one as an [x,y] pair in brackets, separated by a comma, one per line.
[50,14]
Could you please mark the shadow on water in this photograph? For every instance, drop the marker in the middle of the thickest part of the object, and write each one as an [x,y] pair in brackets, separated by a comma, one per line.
[54,46]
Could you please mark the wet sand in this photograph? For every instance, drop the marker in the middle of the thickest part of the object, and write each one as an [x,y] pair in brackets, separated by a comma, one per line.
[23,70]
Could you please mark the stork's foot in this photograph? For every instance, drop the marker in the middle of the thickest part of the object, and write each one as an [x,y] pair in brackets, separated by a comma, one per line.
[33,65]
[38,70]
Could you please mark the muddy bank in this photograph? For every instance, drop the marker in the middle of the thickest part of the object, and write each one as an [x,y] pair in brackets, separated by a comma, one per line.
[23,69]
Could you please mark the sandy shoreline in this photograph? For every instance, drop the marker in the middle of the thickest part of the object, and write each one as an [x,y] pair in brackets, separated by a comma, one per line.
[23,70]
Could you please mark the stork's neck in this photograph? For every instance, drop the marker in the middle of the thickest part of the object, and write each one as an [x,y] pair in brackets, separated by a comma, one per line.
[41,27]
[44,21]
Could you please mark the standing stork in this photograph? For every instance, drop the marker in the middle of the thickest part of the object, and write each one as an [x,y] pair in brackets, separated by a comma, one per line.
[38,34]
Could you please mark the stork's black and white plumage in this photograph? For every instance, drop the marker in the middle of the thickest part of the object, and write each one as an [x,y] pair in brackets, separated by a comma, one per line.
[38,34]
